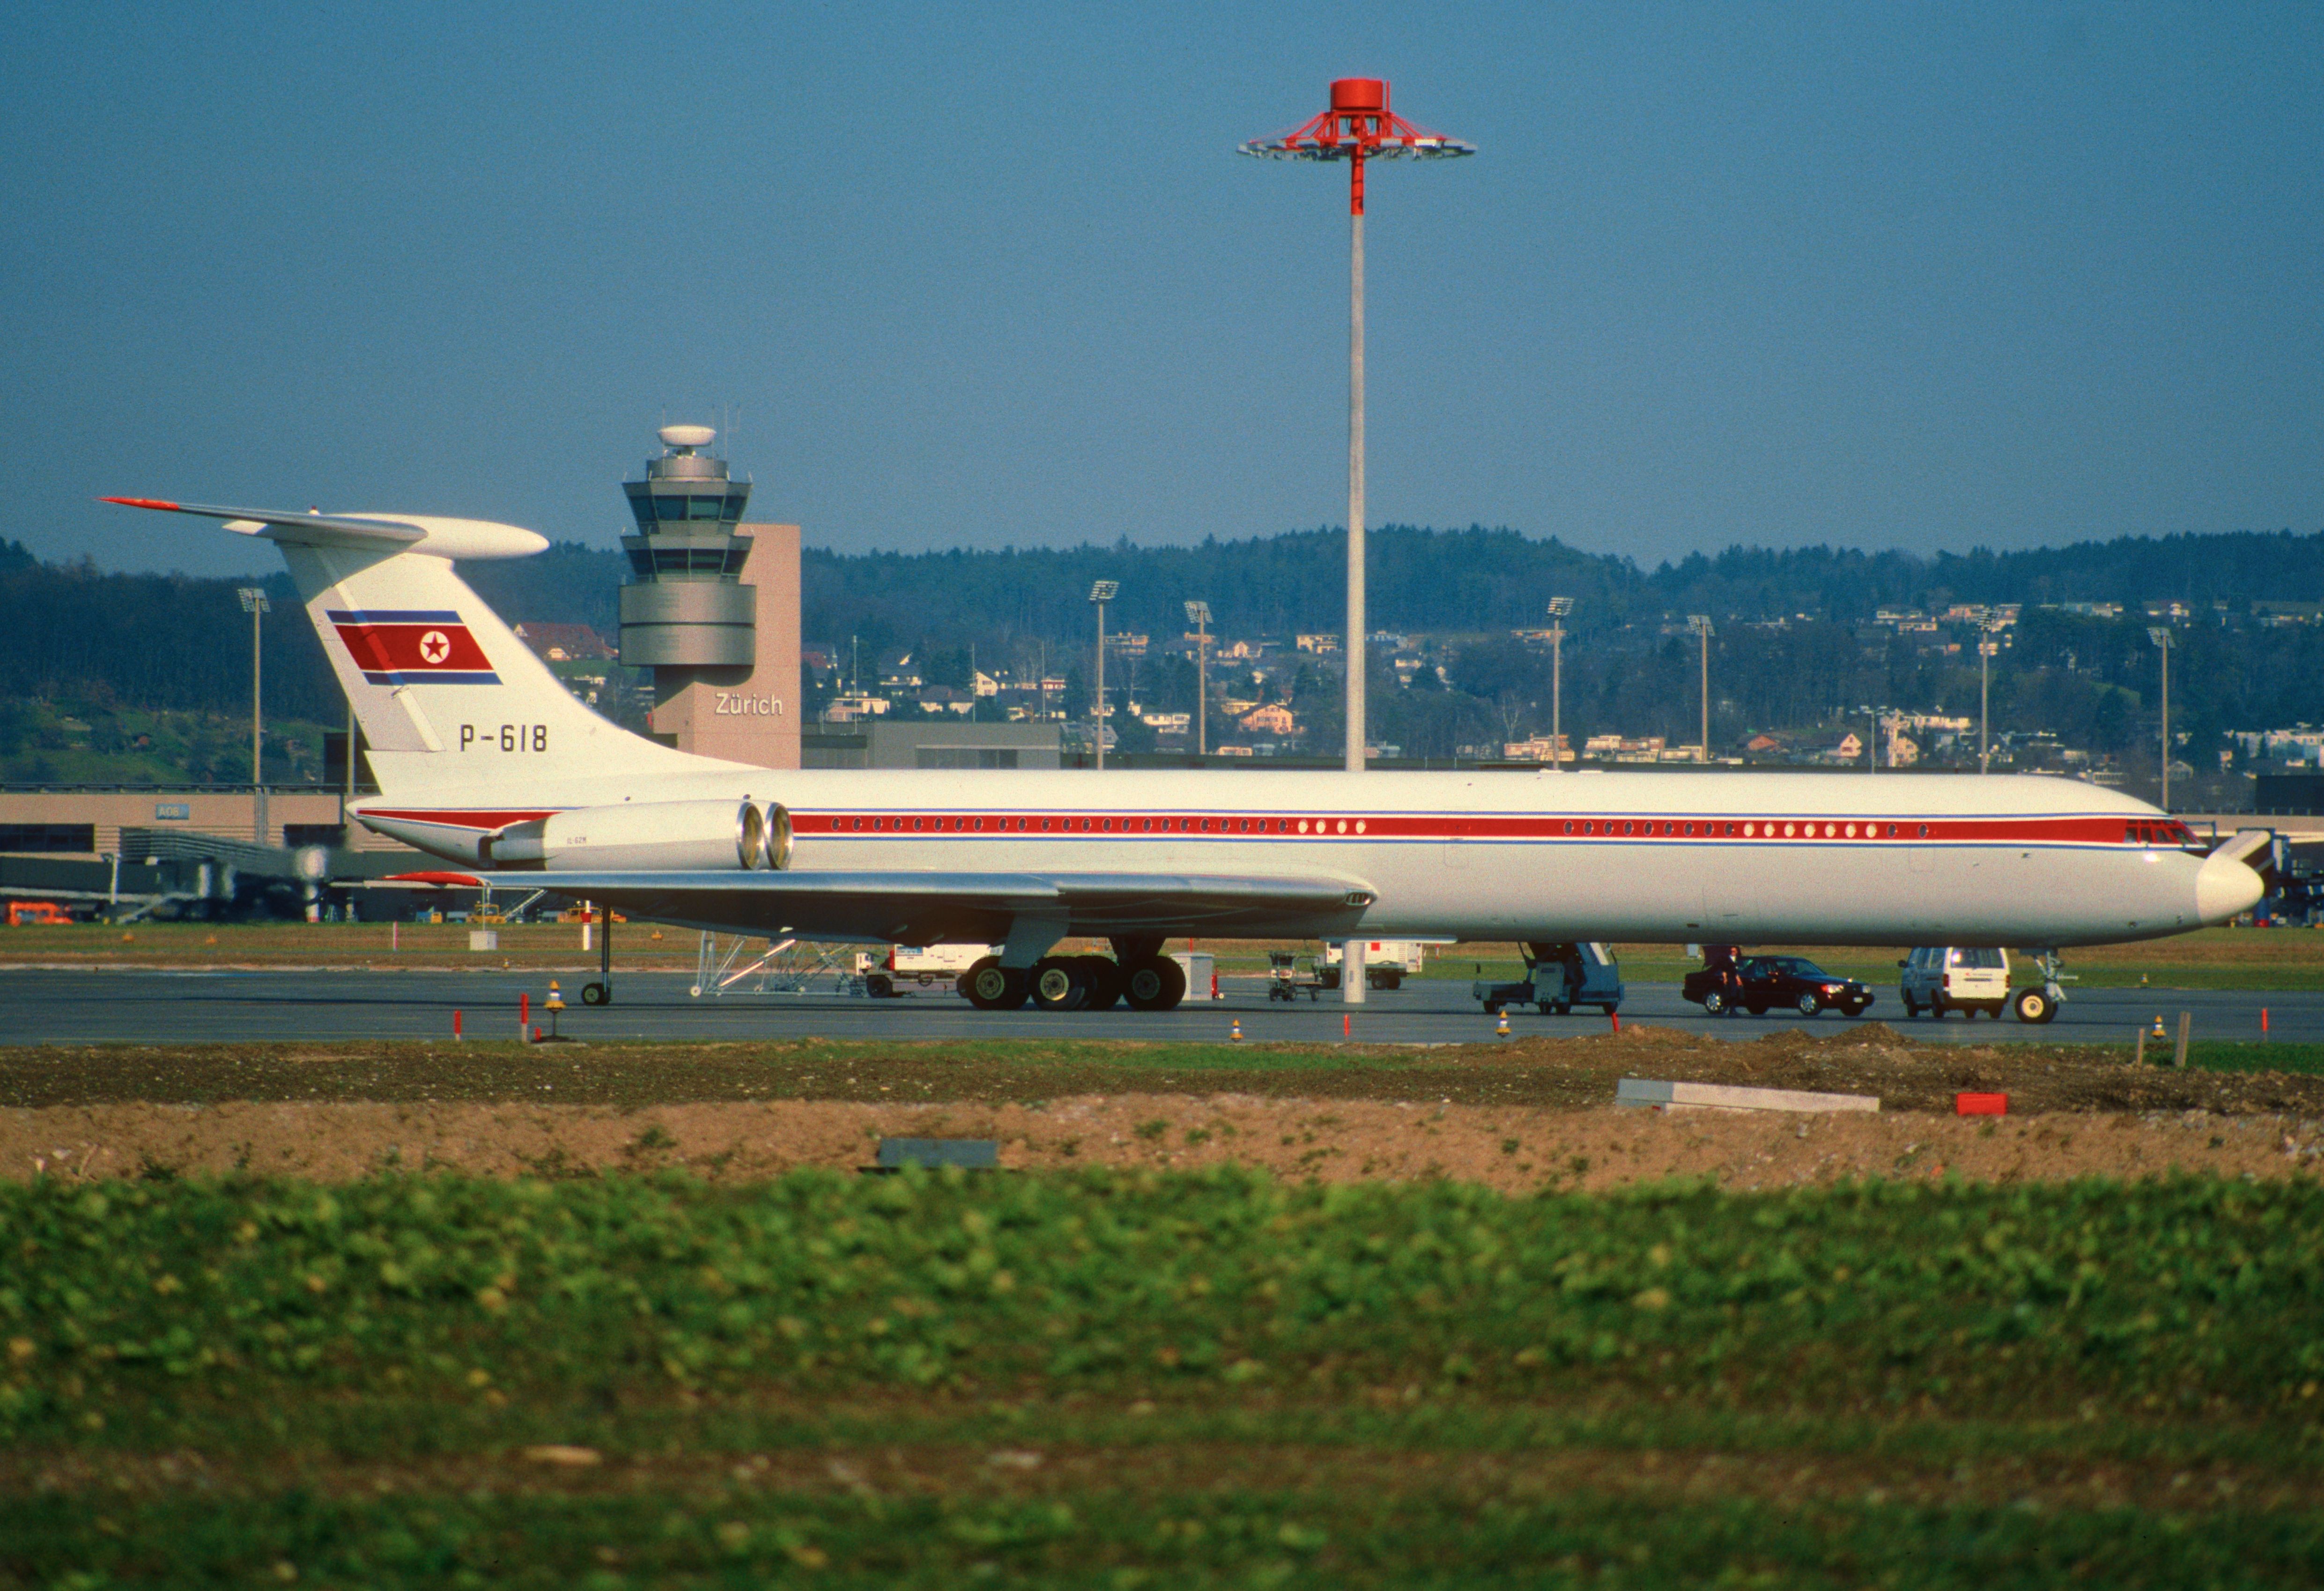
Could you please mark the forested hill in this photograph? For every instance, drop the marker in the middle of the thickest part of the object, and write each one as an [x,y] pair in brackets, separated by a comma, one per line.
[171,641]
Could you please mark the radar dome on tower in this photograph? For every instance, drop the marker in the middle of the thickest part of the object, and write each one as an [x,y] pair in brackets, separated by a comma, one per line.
[686,438]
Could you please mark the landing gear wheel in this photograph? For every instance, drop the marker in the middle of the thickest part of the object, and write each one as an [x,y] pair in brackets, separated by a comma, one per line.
[2035,1005]
[991,987]
[1102,975]
[1059,984]
[597,994]
[1154,984]
[1808,1006]
[1714,1003]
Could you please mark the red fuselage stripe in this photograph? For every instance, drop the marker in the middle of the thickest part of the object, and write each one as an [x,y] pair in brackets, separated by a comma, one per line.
[2082,830]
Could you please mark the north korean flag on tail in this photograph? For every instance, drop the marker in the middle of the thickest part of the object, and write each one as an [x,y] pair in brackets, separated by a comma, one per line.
[412,645]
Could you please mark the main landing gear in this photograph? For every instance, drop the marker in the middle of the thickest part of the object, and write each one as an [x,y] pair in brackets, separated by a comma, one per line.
[601,993]
[1137,975]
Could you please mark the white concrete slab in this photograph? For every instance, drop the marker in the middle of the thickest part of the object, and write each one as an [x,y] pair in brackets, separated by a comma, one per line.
[1646,1093]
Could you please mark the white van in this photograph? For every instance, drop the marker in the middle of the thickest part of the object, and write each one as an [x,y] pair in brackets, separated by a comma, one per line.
[1941,977]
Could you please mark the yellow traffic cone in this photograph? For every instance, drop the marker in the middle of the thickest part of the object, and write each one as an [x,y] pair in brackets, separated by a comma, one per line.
[1502,1030]
[1235,1036]
[2157,1031]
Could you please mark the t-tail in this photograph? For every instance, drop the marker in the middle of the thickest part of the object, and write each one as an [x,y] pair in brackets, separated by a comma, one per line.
[447,695]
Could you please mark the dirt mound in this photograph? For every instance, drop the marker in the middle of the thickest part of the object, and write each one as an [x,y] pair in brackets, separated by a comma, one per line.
[1514,1149]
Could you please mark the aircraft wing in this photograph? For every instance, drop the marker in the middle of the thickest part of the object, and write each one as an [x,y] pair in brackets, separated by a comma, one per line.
[975,908]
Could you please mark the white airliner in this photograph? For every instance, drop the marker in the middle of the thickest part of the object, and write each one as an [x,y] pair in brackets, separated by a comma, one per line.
[484,758]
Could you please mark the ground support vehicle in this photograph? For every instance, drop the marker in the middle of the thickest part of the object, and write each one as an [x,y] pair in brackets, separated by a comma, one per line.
[1759,984]
[1388,962]
[1941,977]
[1558,978]
[1286,979]
[46,913]
[885,976]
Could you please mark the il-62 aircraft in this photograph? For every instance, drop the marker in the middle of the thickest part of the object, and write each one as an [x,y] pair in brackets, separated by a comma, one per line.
[486,761]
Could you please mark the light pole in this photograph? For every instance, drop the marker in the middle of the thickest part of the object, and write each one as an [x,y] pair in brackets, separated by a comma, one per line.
[1986,647]
[1358,127]
[255,604]
[1876,714]
[1701,624]
[1198,614]
[1559,607]
[1101,593]
[2161,636]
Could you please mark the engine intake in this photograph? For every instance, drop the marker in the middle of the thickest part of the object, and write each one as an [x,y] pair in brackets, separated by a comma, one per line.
[646,836]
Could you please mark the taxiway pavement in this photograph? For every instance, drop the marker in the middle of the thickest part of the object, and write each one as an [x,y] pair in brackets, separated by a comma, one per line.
[158,1006]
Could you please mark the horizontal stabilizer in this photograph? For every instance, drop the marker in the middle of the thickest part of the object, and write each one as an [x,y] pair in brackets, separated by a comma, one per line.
[383,533]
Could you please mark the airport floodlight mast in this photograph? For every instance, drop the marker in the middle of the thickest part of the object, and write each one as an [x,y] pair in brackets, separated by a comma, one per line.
[1101,593]
[1198,614]
[1701,624]
[2161,636]
[1358,127]
[1987,649]
[255,604]
[1879,716]
[1559,607]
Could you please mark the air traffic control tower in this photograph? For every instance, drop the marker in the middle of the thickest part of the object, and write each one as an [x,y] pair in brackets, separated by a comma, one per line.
[713,608]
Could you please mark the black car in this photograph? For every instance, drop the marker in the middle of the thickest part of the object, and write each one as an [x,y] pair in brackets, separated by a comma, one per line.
[1759,984]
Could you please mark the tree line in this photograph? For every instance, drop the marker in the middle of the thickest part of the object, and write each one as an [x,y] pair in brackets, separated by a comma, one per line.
[77,633]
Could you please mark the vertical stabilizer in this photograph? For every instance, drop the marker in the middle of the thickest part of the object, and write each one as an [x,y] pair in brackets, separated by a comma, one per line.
[446,692]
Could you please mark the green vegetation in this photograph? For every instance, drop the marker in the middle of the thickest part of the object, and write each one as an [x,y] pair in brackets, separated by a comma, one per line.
[93,742]
[2213,1055]
[1091,1379]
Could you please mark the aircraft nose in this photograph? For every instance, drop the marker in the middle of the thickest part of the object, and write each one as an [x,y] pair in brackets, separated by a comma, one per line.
[2226,889]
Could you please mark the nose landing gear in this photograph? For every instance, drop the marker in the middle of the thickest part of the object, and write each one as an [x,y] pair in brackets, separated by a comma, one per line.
[2036,1007]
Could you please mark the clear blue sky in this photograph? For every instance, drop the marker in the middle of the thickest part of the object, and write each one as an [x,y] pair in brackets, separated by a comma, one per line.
[1925,276]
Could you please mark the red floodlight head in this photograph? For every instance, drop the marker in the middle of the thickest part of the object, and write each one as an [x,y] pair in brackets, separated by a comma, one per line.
[1359,127]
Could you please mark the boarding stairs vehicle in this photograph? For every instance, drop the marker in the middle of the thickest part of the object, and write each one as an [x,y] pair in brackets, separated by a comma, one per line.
[1558,978]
